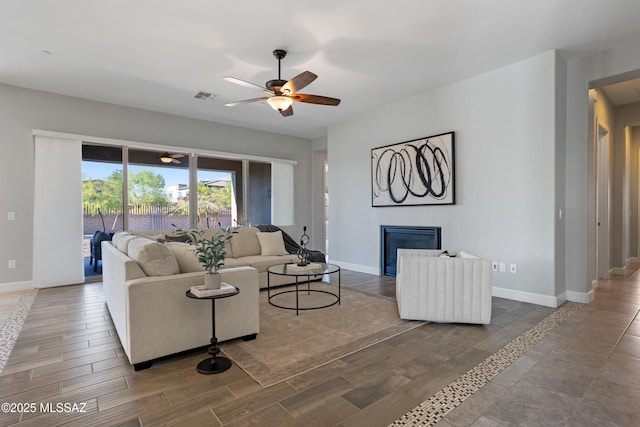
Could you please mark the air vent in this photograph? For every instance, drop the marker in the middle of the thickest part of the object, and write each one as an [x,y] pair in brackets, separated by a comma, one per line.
[203,95]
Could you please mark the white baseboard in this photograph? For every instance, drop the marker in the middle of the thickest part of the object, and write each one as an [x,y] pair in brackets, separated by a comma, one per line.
[17,286]
[633,260]
[617,271]
[594,284]
[581,297]
[356,267]
[546,300]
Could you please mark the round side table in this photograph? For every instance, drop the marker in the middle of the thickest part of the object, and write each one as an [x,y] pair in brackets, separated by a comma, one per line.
[215,364]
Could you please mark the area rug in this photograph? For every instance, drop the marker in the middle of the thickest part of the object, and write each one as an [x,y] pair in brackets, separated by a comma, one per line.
[289,345]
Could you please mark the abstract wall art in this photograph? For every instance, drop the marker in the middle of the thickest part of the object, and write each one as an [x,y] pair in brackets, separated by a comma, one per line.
[417,172]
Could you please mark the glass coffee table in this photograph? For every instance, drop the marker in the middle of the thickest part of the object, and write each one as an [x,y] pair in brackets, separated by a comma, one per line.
[317,269]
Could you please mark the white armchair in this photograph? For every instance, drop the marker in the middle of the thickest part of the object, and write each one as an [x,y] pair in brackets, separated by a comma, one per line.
[443,289]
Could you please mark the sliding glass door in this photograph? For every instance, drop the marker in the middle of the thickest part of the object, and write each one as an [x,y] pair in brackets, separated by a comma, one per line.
[259,193]
[167,190]
[102,196]
[82,188]
[157,190]
[219,196]
[102,202]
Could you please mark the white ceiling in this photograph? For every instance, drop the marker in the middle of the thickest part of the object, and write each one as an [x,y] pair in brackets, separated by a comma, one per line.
[625,92]
[156,54]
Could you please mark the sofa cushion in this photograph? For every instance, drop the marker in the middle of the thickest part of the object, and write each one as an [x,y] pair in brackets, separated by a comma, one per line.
[245,242]
[154,258]
[185,255]
[123,243]
[117,236]
[261,263]
[271,243]
[210,232]
[157,237]
[238,262]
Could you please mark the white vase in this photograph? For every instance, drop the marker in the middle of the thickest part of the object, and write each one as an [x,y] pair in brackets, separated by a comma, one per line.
[212,280]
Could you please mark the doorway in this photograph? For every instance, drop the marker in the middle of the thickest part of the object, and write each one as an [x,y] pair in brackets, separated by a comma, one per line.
[102,203]
[603,201]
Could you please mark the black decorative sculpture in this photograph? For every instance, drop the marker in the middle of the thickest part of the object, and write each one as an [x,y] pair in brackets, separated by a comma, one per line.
[303,252]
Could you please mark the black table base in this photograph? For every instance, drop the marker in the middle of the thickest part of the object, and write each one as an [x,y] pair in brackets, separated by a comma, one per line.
[215,364]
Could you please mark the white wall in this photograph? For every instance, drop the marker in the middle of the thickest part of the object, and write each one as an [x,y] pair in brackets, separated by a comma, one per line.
[22,110]
[505,124]
[508,139]
[560,164]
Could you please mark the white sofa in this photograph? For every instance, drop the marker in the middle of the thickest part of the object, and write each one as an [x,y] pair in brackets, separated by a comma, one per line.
[145,293]
[430,285]
[248,247]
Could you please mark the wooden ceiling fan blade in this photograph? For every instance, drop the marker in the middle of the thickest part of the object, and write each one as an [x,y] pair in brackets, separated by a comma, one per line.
[288,112]
[246,101]
[315,99]
[245,83]
[300,81]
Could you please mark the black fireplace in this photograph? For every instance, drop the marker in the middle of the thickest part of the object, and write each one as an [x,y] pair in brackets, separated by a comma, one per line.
[393,237]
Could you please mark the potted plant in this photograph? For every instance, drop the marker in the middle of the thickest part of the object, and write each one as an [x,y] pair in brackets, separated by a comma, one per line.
[210,252]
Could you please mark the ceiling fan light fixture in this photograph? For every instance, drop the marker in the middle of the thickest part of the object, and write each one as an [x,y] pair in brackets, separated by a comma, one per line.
[283,93]
[166,158]
[280,103]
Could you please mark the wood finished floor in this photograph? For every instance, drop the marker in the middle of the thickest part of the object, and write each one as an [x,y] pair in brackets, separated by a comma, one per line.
[69,352]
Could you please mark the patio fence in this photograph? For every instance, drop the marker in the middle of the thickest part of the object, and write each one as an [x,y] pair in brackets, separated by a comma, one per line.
[150,217]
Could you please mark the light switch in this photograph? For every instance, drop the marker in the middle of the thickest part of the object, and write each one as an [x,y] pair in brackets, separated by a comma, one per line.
[11,216]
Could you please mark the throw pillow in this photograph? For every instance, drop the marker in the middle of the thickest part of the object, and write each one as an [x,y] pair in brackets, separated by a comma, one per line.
[154,258]
[245,243]
[465,254]
[271,243]
[170,238]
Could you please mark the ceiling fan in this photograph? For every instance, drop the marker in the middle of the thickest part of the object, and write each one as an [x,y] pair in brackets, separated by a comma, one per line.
[170,158]
[282,93]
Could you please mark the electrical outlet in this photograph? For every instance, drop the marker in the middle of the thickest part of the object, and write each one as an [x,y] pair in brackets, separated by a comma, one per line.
[12,263]
[513,268]
[11,216]
[503,267]
[494,266]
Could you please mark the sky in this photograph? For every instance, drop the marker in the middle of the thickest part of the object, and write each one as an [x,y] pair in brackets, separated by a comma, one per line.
[96,170]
